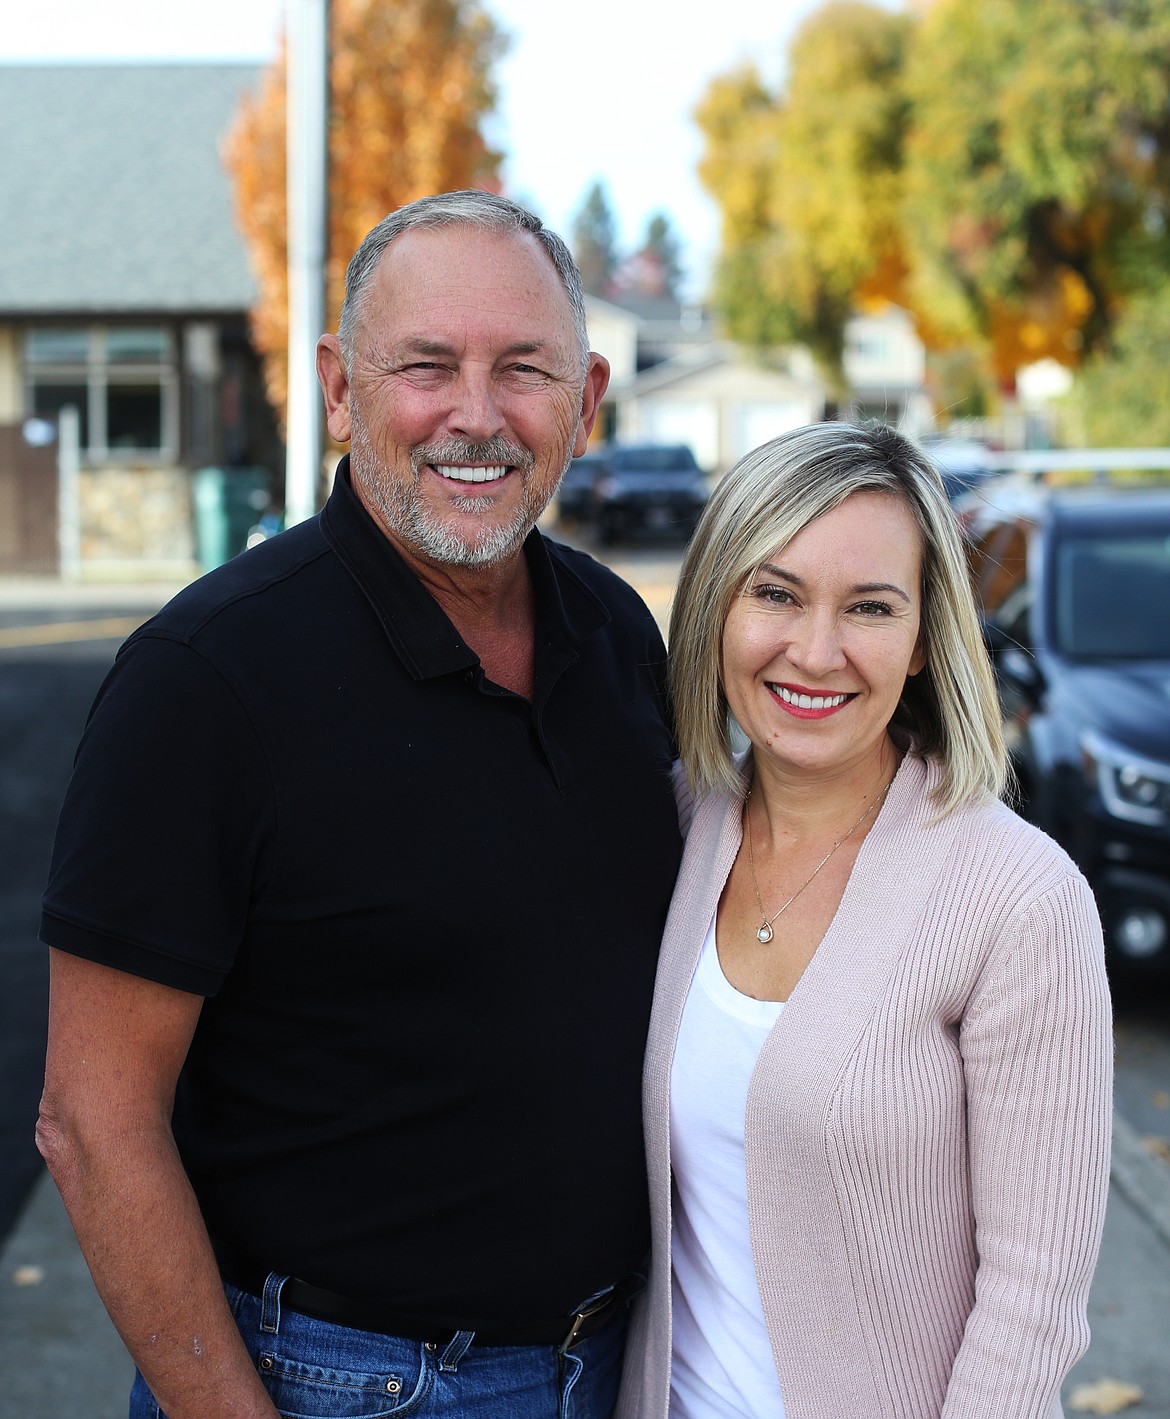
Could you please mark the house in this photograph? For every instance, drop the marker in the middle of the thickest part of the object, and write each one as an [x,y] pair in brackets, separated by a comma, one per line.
[884,363]
[124,292]
[724,400]
[667,328]
[720,401]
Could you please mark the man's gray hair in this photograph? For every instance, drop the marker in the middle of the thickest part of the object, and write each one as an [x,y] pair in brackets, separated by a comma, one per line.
[469,208]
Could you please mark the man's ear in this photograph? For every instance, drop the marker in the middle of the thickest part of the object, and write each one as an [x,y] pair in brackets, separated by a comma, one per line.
[596,383]
[335,386]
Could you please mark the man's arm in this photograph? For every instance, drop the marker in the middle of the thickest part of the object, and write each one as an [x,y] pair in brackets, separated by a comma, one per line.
[116,1045]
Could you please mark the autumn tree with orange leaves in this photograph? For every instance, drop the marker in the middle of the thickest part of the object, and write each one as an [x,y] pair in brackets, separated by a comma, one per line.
[1000,169]
[410,83]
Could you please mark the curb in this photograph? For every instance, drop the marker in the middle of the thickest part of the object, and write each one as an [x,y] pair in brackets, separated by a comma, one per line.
[42,594]
[1142,1179]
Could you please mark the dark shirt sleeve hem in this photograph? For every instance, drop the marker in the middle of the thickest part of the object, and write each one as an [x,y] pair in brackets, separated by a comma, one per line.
[128,956]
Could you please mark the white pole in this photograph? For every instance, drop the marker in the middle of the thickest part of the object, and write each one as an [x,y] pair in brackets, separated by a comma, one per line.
[307,25]
[69,492]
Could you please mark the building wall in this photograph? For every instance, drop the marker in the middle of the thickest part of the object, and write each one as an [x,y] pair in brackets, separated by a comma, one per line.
[134,509]
[722,412]
[614,334]
[883,355]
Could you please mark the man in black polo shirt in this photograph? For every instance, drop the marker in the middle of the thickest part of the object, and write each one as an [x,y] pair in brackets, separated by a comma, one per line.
[357,895]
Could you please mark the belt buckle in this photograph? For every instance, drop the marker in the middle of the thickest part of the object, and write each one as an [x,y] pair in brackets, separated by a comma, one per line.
[584,1314]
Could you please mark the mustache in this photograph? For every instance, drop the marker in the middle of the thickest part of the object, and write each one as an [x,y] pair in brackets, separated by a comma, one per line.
[490,451]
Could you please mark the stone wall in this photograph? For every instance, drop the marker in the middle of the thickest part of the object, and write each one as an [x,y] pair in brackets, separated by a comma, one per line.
[136,521]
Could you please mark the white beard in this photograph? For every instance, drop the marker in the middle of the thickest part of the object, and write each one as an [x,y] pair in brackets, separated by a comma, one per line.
[407,515]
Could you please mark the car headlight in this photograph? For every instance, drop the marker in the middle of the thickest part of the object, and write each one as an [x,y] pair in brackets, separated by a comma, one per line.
[1131,787]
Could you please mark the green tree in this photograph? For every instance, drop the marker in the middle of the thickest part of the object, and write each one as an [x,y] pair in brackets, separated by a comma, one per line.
[1036,169]
[738,118]
[594,241]
[1122,395]
[662,246]
[809,181]
[1001,169]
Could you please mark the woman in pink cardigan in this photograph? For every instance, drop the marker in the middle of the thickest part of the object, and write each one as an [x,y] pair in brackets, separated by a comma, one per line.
[878,1078]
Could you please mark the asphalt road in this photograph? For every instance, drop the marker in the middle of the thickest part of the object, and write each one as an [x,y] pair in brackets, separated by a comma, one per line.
[50,670]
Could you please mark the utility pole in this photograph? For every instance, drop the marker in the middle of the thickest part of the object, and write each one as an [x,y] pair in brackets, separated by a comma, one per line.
[307,122]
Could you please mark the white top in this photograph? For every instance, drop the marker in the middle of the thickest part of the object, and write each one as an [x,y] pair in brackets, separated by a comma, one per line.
[721,1365]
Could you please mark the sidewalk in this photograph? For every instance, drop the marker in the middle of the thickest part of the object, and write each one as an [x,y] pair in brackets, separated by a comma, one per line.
[60,1356]
[47,593]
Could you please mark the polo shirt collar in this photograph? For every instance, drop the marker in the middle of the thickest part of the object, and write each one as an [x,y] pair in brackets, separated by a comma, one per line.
[567,609]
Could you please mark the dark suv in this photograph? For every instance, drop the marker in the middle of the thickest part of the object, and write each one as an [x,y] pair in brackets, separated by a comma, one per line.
[648,488]
[575,493]
[1076,598]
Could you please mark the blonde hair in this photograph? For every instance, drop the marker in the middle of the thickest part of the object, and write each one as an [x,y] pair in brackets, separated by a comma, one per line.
[949,709]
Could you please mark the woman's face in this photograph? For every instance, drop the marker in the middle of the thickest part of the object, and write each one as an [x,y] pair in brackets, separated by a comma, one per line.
[817,649]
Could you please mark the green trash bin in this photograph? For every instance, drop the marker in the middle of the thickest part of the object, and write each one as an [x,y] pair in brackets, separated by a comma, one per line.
[228,504]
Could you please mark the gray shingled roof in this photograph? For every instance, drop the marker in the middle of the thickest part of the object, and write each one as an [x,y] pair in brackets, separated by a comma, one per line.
[113,196]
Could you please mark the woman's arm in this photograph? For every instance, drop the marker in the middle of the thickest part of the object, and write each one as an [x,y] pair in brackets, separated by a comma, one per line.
[1037,1046]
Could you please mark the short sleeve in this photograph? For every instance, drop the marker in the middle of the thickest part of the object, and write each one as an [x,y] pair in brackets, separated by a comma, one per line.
[167,833]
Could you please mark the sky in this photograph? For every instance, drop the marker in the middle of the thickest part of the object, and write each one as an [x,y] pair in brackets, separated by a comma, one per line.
[598,91]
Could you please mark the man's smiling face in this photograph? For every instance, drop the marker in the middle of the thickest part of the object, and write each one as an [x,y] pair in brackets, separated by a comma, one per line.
[466,395]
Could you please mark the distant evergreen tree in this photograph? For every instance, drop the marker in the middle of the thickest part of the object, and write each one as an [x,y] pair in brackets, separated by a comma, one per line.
[593,239]
[663,245]
[655,269]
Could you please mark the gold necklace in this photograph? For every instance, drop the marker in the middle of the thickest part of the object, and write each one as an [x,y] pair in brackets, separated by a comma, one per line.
[764,933]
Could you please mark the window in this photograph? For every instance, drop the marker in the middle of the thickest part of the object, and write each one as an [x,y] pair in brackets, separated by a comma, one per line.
[870,345]
[121,379]
[1112,595]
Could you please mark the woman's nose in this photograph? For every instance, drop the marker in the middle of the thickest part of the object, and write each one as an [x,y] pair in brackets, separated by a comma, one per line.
[816,644]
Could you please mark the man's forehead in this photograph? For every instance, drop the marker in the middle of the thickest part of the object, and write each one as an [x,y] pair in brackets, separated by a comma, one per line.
[434,284]
[463,247]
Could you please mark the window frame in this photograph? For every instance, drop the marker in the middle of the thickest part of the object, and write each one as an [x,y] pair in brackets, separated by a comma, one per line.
[99,375]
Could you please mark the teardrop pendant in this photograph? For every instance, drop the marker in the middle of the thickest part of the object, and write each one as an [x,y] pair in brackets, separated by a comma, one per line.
[764,935]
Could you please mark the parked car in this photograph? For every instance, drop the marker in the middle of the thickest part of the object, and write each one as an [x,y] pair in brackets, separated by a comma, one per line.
[1076,600]
[648,489]
[575,494]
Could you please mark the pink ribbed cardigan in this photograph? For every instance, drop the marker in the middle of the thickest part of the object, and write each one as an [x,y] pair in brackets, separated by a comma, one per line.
[927,1129]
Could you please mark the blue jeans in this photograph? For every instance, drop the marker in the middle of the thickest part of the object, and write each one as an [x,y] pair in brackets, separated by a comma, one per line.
[315,1370]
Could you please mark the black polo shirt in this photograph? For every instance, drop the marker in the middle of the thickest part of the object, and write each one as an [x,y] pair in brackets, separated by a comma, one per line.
[425,912]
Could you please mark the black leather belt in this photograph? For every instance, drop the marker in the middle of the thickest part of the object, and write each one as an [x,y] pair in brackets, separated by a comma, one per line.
[563,1333]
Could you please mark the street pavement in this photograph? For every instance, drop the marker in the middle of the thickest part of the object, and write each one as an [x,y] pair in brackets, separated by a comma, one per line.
[59,1354]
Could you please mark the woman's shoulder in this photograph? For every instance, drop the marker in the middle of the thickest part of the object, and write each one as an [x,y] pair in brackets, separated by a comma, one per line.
[1002,878]
[992,842]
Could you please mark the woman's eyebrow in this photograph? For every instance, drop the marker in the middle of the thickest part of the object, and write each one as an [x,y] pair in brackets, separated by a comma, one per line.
[866,588]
